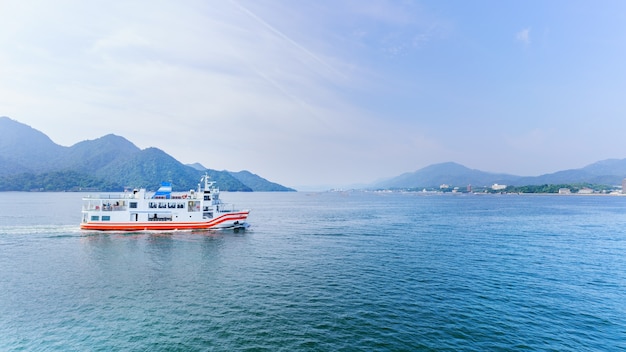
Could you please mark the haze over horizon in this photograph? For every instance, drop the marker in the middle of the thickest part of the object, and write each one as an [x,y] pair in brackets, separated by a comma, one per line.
[328,92]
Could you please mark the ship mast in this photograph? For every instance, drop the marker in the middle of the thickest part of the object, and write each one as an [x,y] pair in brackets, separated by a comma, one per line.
[207,184]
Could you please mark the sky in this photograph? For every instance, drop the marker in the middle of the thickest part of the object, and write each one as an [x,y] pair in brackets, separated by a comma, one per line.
[325,93]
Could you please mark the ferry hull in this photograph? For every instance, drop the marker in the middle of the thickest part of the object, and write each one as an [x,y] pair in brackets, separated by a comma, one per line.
[225,221]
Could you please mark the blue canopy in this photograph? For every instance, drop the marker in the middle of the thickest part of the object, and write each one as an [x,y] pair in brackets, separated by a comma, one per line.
[164,191]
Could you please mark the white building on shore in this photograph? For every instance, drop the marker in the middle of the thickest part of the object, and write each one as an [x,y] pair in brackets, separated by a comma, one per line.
[497,187]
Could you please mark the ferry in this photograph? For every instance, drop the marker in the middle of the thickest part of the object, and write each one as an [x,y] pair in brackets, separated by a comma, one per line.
[162,210]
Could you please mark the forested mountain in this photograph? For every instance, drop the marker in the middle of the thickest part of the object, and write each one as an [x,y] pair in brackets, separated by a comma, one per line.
[257,183]
[24,149]
[29,160]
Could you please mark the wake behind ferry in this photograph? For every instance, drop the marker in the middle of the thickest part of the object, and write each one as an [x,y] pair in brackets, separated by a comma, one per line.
[161,210]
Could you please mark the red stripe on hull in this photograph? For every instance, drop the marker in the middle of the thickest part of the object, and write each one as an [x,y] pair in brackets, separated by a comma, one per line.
[167,225]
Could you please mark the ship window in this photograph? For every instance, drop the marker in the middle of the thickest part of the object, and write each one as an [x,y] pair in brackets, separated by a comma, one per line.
[106,218]
[95,218]
[207,197]
[133,205]
[193,206]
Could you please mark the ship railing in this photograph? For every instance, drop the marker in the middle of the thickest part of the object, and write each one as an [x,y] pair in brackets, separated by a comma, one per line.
[92,207]
[114,196]
[177,196]
[114,208]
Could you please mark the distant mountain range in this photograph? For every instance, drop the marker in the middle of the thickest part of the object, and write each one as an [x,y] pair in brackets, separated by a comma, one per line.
[30,160]
[606,172]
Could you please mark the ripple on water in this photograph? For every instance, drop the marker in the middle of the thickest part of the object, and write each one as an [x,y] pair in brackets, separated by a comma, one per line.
[329,272]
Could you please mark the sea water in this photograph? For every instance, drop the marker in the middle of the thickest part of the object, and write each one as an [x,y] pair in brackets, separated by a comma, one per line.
[322,272]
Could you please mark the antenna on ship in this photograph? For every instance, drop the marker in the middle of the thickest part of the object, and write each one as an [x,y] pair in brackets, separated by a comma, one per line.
[206,182]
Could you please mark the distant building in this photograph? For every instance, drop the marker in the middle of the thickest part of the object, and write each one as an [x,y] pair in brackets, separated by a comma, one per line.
[624,186]
[497,187]
[585,191]
[444,186]
[565,191]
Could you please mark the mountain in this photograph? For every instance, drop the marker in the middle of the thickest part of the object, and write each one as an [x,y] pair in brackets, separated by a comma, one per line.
[197,166]
[24,149]
[98,154]
[606,172]
[445,173]
[151,166]
[255,182]
[30,160]
[259,184]
[9,167]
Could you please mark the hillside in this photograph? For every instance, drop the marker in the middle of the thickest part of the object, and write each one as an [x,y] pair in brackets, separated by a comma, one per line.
[606,172]
[445,173]
[24,149]
[259,184]
[98,154]
[255,182]
[109,163]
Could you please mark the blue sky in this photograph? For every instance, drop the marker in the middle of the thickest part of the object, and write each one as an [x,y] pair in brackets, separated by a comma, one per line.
[325,93]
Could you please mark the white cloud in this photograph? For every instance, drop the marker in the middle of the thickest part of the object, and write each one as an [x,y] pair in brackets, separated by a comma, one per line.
[296,92]
[239,92]
[523,36]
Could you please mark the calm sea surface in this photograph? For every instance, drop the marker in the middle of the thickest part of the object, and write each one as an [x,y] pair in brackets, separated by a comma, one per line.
[322,272]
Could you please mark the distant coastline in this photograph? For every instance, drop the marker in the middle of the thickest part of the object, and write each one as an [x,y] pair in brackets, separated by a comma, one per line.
[557,189]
